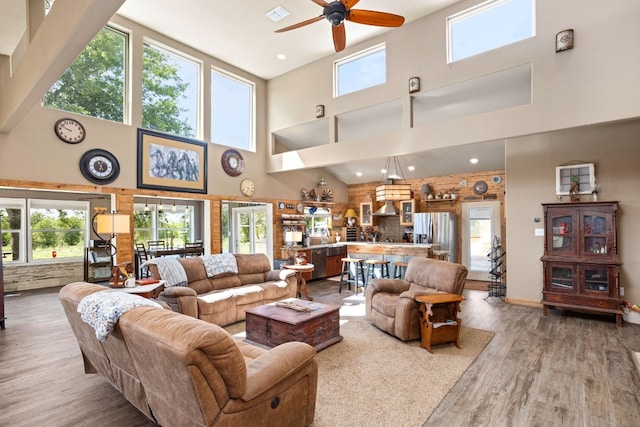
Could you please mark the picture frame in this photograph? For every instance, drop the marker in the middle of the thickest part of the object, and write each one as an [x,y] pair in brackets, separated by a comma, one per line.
[171,163]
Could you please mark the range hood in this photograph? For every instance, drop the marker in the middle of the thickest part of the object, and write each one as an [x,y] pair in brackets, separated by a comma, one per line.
[386,210]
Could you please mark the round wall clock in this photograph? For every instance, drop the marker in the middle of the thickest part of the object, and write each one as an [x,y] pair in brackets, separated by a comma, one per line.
[247,187]
[70,131]
[99,166]
[480,187]
[232,162]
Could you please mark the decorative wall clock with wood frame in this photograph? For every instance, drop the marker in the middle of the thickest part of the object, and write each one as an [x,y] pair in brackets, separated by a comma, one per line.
[232,162]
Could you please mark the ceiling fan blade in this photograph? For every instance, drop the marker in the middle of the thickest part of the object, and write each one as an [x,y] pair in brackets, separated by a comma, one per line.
[300,24]
[349,3]
[372,17]
[321,3]
[339,37]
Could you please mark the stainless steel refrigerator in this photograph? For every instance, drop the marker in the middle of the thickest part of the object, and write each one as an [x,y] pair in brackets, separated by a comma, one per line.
[437,228]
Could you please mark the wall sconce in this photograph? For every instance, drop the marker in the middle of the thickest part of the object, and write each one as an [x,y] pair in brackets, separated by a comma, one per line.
[414,84]
[319,111]
[110,223]
[564,40]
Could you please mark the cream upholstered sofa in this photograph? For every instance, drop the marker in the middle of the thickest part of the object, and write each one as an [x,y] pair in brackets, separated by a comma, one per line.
[181,371]
[391,304]
[222,296]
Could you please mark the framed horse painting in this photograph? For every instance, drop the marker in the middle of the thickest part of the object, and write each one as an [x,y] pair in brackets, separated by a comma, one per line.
[170,162]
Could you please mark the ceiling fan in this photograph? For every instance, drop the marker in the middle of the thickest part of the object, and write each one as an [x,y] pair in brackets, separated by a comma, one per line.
[337,11]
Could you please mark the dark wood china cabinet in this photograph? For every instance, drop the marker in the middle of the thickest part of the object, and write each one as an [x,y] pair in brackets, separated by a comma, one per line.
[581,262]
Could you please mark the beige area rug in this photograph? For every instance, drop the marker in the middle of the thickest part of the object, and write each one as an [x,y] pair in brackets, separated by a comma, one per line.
[373,379]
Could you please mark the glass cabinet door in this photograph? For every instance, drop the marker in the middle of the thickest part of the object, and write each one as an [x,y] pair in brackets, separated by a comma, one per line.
[366,214]
[596,279]
[406,212]
[562,234]
[562,278]
[594,241]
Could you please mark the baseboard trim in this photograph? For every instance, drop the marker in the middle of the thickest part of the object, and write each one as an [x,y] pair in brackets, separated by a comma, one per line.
[524,302]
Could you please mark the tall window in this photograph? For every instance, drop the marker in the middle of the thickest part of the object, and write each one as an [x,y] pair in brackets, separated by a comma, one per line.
[361,70]
[12,214]
[170,88]
[163,222]
[488,26]
[94,85]
[232,111]
[58,228]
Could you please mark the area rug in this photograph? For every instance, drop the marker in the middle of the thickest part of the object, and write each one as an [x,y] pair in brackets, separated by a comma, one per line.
[373,379]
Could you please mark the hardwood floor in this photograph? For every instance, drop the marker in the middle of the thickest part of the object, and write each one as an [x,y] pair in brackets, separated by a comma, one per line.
[568,369]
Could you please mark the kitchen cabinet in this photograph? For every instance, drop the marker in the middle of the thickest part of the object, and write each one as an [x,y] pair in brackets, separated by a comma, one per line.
[366,213]
[581,262]
[407,209]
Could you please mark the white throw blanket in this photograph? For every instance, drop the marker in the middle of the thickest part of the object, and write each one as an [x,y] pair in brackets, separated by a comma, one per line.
[170,270]
[102,309]
[218,264]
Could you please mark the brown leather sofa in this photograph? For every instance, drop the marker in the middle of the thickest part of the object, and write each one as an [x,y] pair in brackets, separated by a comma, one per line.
[224,299]
[391,304]
[181,371]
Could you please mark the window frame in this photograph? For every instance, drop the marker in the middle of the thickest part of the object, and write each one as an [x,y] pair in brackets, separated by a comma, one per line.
[156,228]
[477,10]
[61,205]
[21,204]
[252,108]
[351,59]
[126,83]
[164,48]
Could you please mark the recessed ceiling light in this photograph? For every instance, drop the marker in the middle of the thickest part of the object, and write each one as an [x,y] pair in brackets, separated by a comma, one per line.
[358,173]
[473,161]
[383,171]
[281,56]
[277,13]
[411,168]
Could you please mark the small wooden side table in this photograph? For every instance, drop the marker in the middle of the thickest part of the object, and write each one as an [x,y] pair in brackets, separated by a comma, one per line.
[439,321]
[302,283]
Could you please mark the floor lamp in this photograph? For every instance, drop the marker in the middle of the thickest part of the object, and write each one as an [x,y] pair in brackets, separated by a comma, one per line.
[110,223]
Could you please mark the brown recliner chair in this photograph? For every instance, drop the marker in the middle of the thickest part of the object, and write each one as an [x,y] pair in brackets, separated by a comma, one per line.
[391,304]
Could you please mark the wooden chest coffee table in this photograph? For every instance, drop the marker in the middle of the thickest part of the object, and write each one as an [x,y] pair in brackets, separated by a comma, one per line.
[271,325]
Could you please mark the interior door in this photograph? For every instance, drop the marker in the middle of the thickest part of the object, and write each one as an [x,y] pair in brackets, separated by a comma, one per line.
[252,230]
[480,223]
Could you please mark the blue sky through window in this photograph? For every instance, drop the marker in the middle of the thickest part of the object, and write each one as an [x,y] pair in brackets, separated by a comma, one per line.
[231,111]
[361,72]
[489,26]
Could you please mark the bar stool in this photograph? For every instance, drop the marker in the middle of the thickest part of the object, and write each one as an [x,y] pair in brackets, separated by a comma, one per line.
[371,268]
[359,270]
[399,268]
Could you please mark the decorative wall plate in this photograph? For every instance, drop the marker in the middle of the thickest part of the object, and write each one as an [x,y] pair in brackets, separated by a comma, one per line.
[480,187]
[232,162]
[496,179]
[280,205]
[462,183]
[300,207]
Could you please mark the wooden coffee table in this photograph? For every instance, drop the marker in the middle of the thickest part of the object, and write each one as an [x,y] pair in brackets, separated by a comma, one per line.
[271,325]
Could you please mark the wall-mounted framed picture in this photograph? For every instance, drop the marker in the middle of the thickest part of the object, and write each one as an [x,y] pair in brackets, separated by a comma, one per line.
[583,174]
[172,163]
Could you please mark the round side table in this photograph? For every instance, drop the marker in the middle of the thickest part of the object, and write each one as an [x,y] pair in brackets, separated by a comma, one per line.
[302,283]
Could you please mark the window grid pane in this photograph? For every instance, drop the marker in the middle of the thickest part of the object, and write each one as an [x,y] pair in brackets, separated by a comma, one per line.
[361,71]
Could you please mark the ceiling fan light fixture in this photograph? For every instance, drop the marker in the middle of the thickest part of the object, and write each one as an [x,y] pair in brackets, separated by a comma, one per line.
[335,13]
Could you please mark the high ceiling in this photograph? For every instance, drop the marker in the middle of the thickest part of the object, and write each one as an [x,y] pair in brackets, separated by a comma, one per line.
[241,34]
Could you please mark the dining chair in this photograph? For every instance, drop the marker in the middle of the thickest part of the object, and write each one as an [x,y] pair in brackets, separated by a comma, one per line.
[194,248]
[153,245]
[143,256]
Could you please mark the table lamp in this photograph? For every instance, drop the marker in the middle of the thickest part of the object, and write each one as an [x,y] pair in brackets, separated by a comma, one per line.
[292,237]
[351,216]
